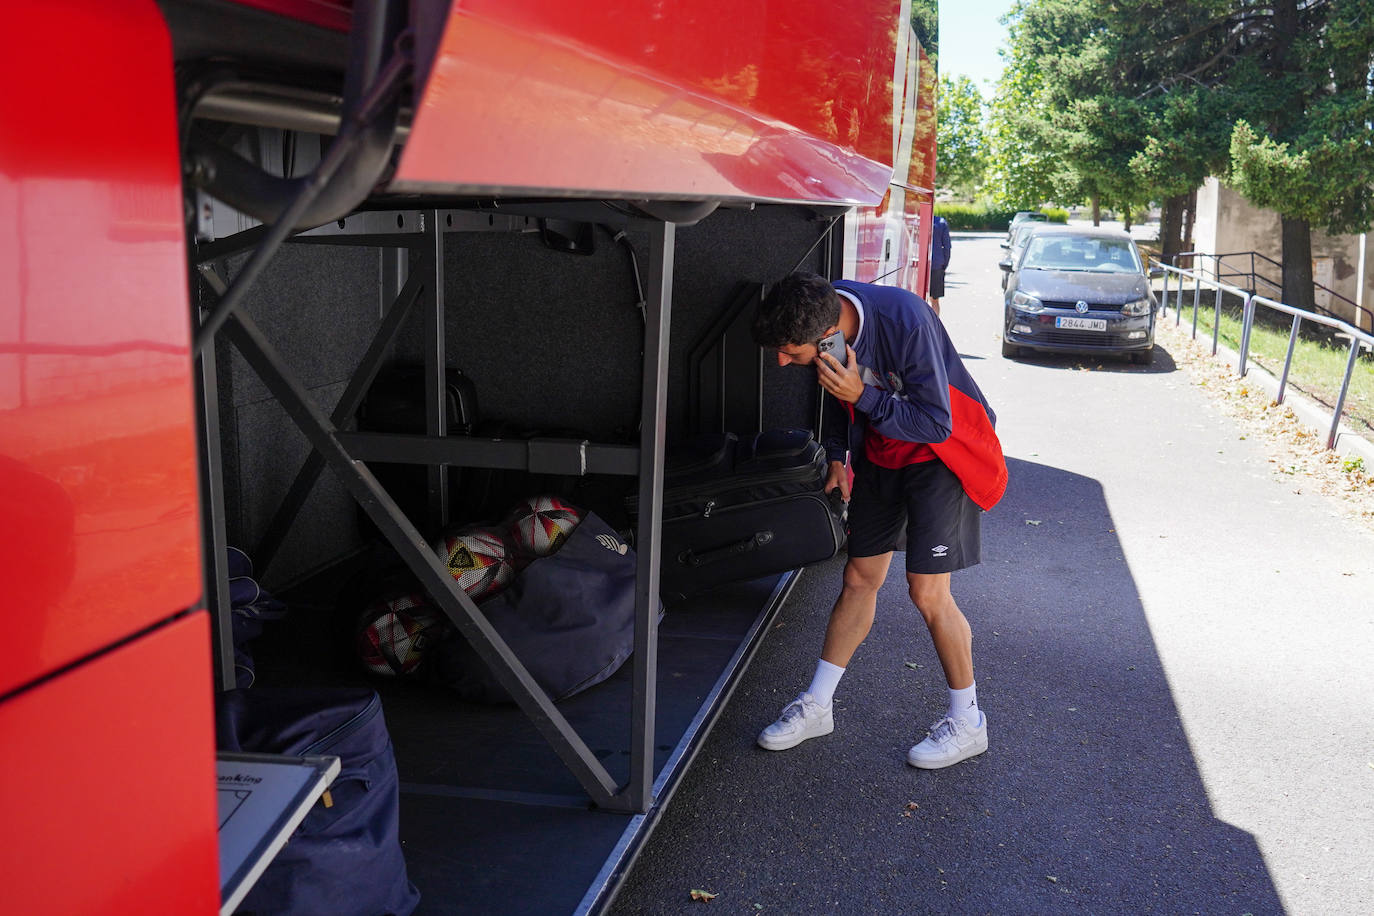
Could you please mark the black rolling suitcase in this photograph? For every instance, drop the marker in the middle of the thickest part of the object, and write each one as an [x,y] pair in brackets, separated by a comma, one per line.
[396,404]
[736,510]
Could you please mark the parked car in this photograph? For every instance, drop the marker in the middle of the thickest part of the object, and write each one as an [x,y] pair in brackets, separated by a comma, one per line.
[1020,235]
[1022,216]
[1079,290]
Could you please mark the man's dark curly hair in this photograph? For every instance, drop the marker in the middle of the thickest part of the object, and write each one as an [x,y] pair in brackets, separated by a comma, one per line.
[796,311]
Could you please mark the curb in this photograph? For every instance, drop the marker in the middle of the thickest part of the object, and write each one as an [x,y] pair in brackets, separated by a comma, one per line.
[1311,414]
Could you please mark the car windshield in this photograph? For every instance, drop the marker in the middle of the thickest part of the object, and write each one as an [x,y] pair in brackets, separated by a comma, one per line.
[1074,253]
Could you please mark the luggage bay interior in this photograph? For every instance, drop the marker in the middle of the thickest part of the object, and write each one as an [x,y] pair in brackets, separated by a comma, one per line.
[545,307]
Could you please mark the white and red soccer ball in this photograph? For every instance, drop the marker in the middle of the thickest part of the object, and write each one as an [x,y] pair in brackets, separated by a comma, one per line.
[394,634]
[540,525]
[479,560]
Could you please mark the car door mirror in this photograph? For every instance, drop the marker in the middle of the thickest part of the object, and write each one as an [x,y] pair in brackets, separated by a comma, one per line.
[1004,244]
[1004,265]
[1156,271]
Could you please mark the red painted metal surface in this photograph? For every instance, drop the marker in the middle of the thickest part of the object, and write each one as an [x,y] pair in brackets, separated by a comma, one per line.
[108,799]
[890,243]
[710,98]
[98,523]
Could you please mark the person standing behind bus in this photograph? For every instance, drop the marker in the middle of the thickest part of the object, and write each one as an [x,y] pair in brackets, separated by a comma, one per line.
[939,261]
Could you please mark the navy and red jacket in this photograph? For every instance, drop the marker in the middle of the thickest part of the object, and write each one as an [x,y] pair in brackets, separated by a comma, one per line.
[919,391]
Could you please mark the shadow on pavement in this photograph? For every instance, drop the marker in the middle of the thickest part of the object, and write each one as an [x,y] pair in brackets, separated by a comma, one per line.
[1088,800]
[1162,363]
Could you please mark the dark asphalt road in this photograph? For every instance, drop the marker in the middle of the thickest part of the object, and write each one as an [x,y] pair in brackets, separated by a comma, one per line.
[1173,649]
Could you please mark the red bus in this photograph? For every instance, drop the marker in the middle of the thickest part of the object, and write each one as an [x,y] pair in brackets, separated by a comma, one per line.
[583,200]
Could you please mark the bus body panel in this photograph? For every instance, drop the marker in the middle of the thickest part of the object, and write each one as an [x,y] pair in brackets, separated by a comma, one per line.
[97,429]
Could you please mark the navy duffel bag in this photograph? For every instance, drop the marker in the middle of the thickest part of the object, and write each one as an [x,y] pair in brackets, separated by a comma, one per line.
[569,617]
[344,859]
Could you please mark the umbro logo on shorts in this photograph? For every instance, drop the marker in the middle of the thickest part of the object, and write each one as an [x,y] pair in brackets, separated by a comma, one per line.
[610,543]
[939,551]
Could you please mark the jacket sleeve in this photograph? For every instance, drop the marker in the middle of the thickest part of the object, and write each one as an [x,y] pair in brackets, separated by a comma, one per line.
[920,412]
[835,434]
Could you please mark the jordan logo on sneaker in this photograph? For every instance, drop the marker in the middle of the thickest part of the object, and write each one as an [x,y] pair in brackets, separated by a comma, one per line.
[939,551]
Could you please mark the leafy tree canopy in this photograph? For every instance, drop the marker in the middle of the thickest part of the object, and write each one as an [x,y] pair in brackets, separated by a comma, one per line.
[961,147]
[925,22]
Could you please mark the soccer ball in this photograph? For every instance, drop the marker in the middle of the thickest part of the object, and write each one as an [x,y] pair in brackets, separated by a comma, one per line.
[541,524]
[479,560]
[395,632]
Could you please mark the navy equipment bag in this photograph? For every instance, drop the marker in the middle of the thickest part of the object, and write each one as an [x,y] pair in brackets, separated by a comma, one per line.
[569,617]
[345,857]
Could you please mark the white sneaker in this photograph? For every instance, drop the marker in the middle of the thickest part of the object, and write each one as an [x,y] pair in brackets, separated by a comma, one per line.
[948,742]
[801,719]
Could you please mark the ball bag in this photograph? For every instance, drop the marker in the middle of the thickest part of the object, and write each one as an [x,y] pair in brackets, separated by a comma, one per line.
[479,560]
[569,617]
[541,524]
[395,632]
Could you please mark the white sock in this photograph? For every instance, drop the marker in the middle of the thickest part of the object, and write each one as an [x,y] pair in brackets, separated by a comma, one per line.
[824,682]
[964,704]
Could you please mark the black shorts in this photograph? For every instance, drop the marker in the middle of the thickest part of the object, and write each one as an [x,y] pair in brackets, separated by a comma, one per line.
[926,500]
[937,284]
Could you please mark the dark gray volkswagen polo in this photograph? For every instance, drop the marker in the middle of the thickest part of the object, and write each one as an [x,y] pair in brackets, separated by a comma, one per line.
[1079,290]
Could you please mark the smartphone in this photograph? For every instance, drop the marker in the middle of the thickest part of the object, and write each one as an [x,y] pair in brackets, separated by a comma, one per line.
[834,345]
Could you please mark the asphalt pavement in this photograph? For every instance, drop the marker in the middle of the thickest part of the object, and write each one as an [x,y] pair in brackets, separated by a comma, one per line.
[1173,649]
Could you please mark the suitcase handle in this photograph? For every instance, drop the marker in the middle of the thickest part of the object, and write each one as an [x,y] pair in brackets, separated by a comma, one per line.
[756,540]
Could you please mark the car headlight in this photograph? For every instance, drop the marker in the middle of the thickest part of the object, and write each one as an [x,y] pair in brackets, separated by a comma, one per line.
[1026,303]
[1138,307]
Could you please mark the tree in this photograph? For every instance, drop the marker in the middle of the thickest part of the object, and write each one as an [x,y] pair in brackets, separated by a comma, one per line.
[1021,160]
[1312,158]
[961,148]
[925,23]
[1175,55]
[1059,96]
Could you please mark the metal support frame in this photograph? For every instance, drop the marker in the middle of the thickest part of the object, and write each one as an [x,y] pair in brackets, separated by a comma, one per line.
[211,472]
[436,361]
[344,411]
[638,795]
[725,370]
[345,453]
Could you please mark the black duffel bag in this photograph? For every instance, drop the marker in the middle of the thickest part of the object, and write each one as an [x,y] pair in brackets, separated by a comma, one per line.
[345,858]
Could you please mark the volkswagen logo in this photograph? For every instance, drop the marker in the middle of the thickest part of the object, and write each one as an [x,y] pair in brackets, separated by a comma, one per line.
[1080,306]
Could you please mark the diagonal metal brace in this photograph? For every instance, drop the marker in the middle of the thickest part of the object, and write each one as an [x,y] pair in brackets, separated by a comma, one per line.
[349,402]
[433,576]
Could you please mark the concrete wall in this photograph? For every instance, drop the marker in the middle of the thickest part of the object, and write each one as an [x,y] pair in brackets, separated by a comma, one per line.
[1227,223]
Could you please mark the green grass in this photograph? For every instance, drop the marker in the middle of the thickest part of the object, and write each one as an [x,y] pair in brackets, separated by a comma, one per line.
[1318,366]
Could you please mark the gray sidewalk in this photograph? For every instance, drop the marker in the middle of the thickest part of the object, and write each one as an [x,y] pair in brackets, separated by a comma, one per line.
[1173,653]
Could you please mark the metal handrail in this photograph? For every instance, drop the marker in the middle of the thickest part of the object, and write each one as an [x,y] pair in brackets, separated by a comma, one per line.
[1255,276]
[1358,337]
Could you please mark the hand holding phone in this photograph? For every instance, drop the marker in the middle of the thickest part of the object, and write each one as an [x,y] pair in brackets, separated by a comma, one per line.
[834,345]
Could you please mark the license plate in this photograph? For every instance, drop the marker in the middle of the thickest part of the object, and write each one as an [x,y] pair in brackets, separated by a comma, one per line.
[1081,324]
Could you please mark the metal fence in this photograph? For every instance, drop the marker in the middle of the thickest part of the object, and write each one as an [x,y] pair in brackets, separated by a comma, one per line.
[1221,271]
[1252,303]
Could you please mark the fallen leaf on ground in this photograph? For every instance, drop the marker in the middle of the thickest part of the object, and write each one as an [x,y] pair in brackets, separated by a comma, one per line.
[912,806]
[1031,521]
[704,896]
[912,665]
[1053,878]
